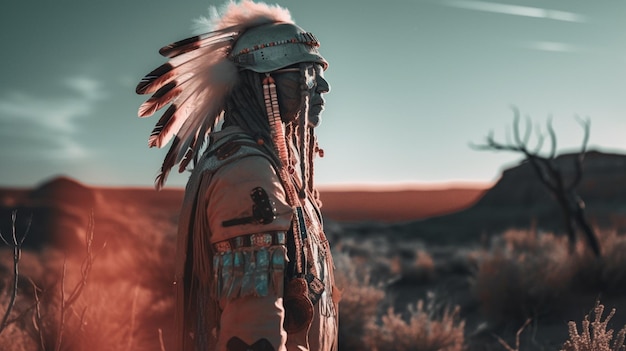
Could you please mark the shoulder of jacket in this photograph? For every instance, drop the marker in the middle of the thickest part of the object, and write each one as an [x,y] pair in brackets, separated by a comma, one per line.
[229,151]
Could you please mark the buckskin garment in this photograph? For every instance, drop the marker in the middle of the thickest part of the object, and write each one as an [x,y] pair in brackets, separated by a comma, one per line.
[232,259]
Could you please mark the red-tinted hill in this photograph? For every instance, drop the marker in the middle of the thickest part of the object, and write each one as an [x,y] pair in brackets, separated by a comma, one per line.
[61,208]
[394,206]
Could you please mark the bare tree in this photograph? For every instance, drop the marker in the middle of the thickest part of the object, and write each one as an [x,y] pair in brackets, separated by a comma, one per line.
[551,175]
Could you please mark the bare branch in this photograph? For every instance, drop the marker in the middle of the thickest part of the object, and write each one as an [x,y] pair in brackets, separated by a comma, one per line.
[63,307]
[37,319]
[161,340]
[76,292]
[578,161]
[86,265]
[516,136]
[492,144]
[527,130]
[521,142]
[552,138]
[519,332]
[586,124]
[22,314]
[543,170]
[133,314]
[517,338]
[540,139]
[16,245]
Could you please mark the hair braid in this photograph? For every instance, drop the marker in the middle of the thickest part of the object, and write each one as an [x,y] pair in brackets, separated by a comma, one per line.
[303,135]
[313,149]
[244,108]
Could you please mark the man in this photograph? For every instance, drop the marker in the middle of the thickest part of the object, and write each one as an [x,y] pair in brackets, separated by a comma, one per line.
[254,269]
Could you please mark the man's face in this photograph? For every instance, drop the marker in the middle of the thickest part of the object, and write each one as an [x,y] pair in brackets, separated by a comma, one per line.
[290,86]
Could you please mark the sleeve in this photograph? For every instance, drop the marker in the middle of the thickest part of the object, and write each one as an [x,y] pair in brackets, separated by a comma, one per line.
[249,319]
[229,197]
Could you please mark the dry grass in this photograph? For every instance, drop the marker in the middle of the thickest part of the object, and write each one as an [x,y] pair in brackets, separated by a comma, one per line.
[117,297]
[118,309]
[360,302]
[423,330]
[422,327]
[525,274]
[613,274]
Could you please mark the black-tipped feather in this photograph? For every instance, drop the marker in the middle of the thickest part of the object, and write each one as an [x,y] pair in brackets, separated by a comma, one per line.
[192,43]
[193,129]
[160,98]
[168,163]
[197,103]
[160,72]
[158,128]
[180,47]
[189,63]
[184,108]
[182,166]
[190,151]
[191,154]
[184,85]
[189,70]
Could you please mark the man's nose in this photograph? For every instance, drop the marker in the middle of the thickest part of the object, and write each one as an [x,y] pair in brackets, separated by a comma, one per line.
[322,85]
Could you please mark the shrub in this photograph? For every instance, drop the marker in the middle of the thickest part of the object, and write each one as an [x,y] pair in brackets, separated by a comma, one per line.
[422,331]
[359,302]
[594,335]
[613,275]
[121,302]
[523,275]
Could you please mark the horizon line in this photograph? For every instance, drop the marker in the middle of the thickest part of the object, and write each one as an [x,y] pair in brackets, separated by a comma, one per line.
[330,187]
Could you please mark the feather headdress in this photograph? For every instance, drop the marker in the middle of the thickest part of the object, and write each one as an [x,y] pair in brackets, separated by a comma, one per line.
[197,79]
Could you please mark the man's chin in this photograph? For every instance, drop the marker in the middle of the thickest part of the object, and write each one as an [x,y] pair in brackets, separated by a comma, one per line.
[315,115]
[314,120]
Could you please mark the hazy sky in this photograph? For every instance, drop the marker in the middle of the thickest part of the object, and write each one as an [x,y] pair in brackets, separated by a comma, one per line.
[413,83]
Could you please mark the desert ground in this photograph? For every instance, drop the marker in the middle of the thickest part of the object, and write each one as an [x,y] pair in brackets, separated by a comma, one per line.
[416,269]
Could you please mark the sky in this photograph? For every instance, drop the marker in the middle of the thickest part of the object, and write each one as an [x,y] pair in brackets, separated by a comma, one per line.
[414,84]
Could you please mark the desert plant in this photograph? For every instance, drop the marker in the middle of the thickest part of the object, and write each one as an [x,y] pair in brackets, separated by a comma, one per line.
[419,268]
[613,275]
[92,299]
[124,303]
[359,303]
[55,304]
[53,319]
[594,335]
[522,277]
[423,330]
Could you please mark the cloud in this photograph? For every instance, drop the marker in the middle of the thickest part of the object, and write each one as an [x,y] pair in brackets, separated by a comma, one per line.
[516,10]
[53,119]
[552,46]
[87,86]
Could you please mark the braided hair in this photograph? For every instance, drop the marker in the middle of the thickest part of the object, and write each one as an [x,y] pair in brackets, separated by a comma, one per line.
[244,109]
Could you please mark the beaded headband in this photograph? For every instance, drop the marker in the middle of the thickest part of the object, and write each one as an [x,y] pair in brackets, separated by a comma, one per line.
[269,47]
[306,38]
